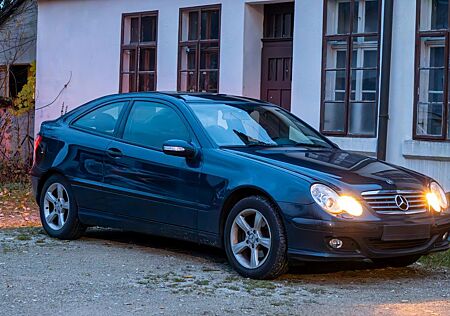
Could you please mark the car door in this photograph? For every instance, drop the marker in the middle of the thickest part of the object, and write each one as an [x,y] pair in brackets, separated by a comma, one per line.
[89,138]
[144,182]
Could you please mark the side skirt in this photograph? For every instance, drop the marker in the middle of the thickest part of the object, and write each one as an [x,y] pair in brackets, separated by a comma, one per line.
[103,219]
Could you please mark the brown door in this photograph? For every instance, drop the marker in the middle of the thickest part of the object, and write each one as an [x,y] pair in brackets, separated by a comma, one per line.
[276,72]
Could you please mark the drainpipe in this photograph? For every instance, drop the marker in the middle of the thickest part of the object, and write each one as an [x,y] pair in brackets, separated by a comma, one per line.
[383,117]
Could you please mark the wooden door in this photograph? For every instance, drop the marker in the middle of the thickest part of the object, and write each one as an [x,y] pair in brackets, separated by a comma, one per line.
[276,78]
[276,72]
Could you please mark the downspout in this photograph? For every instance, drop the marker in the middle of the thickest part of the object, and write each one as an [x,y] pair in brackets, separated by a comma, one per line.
[383,117]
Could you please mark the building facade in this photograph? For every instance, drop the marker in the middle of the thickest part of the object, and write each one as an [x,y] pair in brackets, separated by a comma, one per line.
[18,23]
[17,46]
[321,59]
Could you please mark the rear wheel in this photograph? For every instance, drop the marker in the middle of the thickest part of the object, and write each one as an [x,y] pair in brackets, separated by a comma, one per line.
[59,211]
[255,240]
[398,262]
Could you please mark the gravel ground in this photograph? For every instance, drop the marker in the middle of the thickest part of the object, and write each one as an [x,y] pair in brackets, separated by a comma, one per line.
[115,273]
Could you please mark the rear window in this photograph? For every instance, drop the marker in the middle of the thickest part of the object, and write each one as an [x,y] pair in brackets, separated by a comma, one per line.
[102,120]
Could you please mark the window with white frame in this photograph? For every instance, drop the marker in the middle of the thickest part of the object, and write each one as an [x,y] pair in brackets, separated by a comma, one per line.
[350,68]
[432,67]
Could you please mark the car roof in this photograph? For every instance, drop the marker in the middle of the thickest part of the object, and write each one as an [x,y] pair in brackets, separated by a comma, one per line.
[186,97]
[196,97]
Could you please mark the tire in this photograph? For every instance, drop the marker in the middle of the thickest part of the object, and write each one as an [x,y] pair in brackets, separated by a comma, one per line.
[70,227]
[271,256]
[398,262]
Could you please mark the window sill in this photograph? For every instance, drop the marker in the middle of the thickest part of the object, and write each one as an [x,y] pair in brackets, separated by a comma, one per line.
[417,149]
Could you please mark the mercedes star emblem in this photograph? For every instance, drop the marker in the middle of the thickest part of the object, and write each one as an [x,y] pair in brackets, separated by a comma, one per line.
[402,202]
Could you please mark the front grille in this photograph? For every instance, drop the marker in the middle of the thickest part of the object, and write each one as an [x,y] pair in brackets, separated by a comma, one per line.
[396,245]
[383,202]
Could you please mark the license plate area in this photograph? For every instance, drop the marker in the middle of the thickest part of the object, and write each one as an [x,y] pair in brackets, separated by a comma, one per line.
[406,232]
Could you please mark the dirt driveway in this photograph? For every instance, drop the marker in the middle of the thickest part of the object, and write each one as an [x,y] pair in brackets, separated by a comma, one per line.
[115,273]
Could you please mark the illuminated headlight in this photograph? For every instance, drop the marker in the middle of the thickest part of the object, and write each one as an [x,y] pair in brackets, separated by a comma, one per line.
[333,203]
[436,197]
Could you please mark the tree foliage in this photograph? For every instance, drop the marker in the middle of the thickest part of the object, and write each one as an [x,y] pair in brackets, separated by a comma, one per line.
[24,101]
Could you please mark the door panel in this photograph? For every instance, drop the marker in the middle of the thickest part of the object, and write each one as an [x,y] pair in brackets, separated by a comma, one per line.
[276,72]
[276,78]
[144,182]
[147,184]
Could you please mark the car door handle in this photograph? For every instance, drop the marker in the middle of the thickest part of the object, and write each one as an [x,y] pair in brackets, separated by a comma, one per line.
[114,153]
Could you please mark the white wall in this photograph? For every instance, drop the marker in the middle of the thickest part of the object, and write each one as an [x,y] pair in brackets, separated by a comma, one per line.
[80,39]
[307,60]
[253,33]
[431,158]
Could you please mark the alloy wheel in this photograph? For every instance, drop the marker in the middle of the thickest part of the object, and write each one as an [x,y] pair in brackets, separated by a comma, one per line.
[56,206]
[250,238]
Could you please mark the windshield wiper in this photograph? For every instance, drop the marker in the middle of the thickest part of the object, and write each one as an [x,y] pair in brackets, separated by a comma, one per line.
[252,142]
[310,145]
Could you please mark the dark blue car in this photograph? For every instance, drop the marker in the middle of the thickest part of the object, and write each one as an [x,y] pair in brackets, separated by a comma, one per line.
[235,173]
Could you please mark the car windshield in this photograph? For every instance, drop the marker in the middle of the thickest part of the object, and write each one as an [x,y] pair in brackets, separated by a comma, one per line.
[231,125]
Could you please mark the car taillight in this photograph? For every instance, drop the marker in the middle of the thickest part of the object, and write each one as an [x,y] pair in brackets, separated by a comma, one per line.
[37,143]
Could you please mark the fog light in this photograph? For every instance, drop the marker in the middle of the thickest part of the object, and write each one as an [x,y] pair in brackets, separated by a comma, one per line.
[445,236]
[336,243]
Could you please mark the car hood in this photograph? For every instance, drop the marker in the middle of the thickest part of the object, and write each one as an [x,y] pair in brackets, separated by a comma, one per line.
[337,166]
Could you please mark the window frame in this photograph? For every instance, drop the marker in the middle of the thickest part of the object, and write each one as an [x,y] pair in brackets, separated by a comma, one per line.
[137,47]
[445,33]
[198,42]
[348,38]
[122,113]
[126,115]
[4,81]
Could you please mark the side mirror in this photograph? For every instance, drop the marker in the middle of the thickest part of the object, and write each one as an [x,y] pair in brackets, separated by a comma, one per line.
[179,148]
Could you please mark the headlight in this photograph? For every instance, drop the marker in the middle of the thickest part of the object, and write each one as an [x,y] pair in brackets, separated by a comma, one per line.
[333,203]
[436,197]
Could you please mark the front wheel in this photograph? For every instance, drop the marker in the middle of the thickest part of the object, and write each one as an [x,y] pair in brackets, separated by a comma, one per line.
[58,209]
[255,239]
[398,262]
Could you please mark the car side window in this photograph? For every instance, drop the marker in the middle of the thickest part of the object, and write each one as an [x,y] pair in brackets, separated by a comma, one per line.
[151,124]
[102,120]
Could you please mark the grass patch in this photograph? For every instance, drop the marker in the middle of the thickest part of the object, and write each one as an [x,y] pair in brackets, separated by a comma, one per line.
[23,237]
[259,284]
[317,290]
[441,259]
[202,282]
[6,248]
[233,288]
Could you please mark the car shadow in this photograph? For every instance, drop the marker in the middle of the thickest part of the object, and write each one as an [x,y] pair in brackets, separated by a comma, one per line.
[176,246]
[315,272]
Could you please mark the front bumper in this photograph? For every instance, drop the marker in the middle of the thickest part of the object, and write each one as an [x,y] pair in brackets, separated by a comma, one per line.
[308,238]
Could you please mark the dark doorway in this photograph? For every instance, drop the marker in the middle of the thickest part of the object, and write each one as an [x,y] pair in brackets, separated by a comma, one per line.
[276,81]
[18,77]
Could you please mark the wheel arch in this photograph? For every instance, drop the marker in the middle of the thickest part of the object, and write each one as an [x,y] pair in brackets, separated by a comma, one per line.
[45,176]
[235,196]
